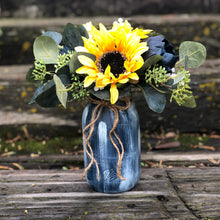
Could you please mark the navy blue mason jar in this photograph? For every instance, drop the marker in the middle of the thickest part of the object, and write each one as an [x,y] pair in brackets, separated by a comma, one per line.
[102,174]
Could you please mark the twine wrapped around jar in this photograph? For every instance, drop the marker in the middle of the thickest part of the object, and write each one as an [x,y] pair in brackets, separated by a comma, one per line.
[100,104]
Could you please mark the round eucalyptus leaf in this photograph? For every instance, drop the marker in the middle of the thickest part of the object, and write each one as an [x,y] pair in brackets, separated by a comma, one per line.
[57,37]
[192,54]
[46,49]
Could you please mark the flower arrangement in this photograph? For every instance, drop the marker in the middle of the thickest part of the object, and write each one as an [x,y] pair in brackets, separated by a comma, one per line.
[104,66]
[110,63]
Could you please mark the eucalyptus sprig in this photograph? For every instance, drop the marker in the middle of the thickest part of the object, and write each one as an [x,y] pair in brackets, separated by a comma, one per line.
[191,55]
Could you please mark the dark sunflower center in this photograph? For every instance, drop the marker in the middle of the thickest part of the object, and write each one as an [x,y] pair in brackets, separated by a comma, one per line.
[116,61]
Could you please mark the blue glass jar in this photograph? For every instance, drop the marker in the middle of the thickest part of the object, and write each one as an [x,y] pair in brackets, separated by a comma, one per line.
[106,155]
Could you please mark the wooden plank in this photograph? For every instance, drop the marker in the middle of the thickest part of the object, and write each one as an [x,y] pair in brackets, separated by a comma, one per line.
[199,189]
[153,156]
[160,194]
[61,21]
[58,161]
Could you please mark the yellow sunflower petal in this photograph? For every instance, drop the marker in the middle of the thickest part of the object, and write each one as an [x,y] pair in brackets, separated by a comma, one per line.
[142,33]
[114,93]
[106,42]
[100,83]
[88,81]
[123,78]
[106,81]
[107,73]
[134,64]
[90,45]
[86,70]
[123,81]
[86,61]
[133,76]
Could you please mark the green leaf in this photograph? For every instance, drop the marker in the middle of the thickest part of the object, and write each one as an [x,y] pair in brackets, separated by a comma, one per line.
[74,62]
[192,54]
[57,37]
[38,91]
[60,90]
[83,32]
[72,37]
[151,61]
[101,94]
[64,70]
[155,99]
[105,93]
[190,102]
[45,48]
[46,96]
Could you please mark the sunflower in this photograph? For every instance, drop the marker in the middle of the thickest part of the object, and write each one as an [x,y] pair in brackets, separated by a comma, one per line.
[118,56]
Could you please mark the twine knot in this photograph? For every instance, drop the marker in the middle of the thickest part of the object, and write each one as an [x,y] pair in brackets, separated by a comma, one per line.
[100,104]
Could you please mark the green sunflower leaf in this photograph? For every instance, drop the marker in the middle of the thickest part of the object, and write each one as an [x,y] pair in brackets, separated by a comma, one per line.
[192,54]
[72,37]
[60,90]
[155,99]
[46,49]
[101,94]
[105,93]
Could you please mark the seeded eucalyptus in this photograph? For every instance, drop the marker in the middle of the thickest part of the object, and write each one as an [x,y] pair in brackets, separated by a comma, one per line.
[78,91]
[63,60]
[40,70]
[156,75]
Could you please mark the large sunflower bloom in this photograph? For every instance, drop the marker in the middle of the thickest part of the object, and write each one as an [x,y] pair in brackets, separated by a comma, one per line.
[118,56]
